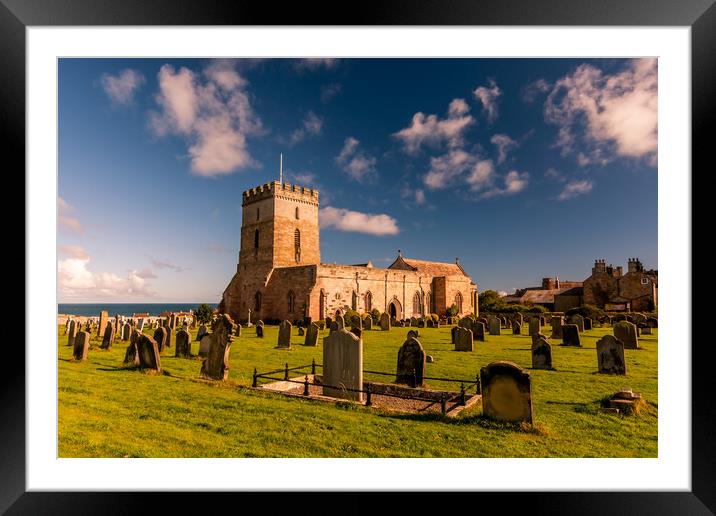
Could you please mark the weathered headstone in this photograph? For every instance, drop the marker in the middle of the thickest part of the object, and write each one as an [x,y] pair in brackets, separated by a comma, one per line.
[204,345]
[506,392]
[541,352]
[463,339]
[284,335]
[494,326]
[646,330]
[103,319]
[81,345]
[570,335]
[311,335]
[340,321]
[356,321]
[478,331]
[626,332]
[577,320]
[587,324]
[411,363]
[368,323]
[170,334]
[260,331]
[384,322]
[148,353]
[108,337]
[518,318]
[343,365]
[160,337]
[301,332]
[535,325]
[183,344]
[465,322]
[556,327]
[216,365]
[72,332]
[453,331]
[126,331]
[610,355]
[413,333]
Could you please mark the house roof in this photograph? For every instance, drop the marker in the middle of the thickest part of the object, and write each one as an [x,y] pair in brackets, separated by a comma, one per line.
[543,296]
[575,291]
[432,268]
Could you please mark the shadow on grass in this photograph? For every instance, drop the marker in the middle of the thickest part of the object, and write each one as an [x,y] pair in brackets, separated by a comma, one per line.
[472,420]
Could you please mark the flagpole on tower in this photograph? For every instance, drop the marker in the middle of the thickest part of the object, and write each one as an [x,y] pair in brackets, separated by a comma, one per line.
[281,171]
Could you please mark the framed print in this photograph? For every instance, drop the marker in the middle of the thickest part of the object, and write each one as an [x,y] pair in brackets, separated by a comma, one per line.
[413,249]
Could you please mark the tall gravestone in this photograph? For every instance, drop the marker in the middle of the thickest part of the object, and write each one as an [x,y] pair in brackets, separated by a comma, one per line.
[463,339]
[311,335]
[518,318]
[411,363]
[506,392]
[170,334]
[260,331]
[108,337]
[328,321]
[570,335]
[453,331]
[72,333]
[577,320]
[183,344]
[556,327]
[237,331]
[80,346]
[587,324]
[494,326]
[160,337]
[131,355]
[204,345]
[126,329]
[148,353]
[610,355]
[216,365]
[284,335]
[343,365]
[103,319]
[541,352]
[384,322]
[368,323]
[626,332]
[535,325]
[478,331]
[516,328]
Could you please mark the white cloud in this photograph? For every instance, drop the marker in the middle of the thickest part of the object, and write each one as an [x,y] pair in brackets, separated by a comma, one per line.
[601,116]
[514,182]
[575,188]
[534,89]
[212,112]
[121,88]
[75,280]
[487,95]
[355,221]
[316,63]
[65,220]
[73,251]
[433,131]
[358,164]
[444,169]
[482,175]
[311,125]
[504,144]
[165,264]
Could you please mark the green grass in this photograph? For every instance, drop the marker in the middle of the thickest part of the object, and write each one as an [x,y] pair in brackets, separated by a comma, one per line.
[108,411]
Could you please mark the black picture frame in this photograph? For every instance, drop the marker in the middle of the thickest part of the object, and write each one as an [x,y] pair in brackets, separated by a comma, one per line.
[700,15]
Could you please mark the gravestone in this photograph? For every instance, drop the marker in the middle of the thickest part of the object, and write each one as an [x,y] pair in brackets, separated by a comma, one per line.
[183,344]
[334,327]
[204,344]
[413,333]
[646,330]
[421,323]
[356,322]
[384,322]
[168,341]
[463,339]
[103,319]
[368,323]
[535,325]
[108,337]
[610,355]
[541,352]
[81,345]
[216,364]
[430,324]
[237,331]
[148,353]
[343,365]
[506,392]
[340,321]
[478,331]
[126,331]
[518,317]
[201,332]
[570,335]
[72,333]
[160,337]
[577,320]
[494,326]
[131,355]
[556,328]
[587,324]
[626,332]
[411,363]
[260,331]
[284,335]
[653,322]
[311,335]
[453,331]
[516,328]
[301,332]
[140,324]
[465,322]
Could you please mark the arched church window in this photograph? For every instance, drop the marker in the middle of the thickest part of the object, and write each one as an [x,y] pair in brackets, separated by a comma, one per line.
[368,302]
[291,302]
[458,302]
[416,303]
[297,244]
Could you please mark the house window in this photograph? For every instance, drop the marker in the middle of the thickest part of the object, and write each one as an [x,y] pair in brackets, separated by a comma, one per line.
[291,302]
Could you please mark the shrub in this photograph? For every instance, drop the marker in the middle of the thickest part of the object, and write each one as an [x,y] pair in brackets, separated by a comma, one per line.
[537,309]
[591,311]
[375,313]
[435,317]
[452,311]
[348,316]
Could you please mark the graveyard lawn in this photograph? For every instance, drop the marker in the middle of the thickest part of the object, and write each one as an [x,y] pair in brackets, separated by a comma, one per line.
[106,410]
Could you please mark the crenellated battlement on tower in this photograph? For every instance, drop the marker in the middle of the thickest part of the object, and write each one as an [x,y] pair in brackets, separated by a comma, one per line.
[278,189]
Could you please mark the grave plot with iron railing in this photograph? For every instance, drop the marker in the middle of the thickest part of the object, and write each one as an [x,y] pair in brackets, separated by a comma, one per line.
[303,381]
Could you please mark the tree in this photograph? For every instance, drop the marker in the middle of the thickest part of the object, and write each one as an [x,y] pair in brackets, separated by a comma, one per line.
[204,313]
[452,311]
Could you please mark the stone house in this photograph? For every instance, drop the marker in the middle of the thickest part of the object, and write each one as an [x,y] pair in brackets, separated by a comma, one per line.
[549,295]
[279,274]
[609,288]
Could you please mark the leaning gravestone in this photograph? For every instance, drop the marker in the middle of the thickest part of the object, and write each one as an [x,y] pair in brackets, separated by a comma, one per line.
[311,335]
[494,326]
[384,322]
[506,392]
[516,328]
[160,337]
[103,319]
[183,344]
[343,365]
[556,328]
[148,353]
[284,335]
[72,333]
[610,355]
[216,365]
[463,339]
[81,345]
[108,337]
[626,332]
[126,331]
[411,363]
[478,331]
[541,352]
[535,325]
[570,335]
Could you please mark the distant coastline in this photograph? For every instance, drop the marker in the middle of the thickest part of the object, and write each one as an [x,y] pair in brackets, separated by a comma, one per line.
[126,309]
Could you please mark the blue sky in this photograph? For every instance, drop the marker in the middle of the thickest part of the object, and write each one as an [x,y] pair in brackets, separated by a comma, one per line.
[522,168]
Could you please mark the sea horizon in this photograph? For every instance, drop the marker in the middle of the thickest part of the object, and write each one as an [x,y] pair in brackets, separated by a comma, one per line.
[126,309]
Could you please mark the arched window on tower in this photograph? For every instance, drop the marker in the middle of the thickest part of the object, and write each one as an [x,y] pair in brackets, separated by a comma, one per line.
[257,302]
[429,302]
[297,244]
[416,304]
[458,302]
[368,301]
[291,302]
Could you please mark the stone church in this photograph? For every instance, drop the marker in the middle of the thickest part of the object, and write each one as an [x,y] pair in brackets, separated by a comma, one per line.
[280,275]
